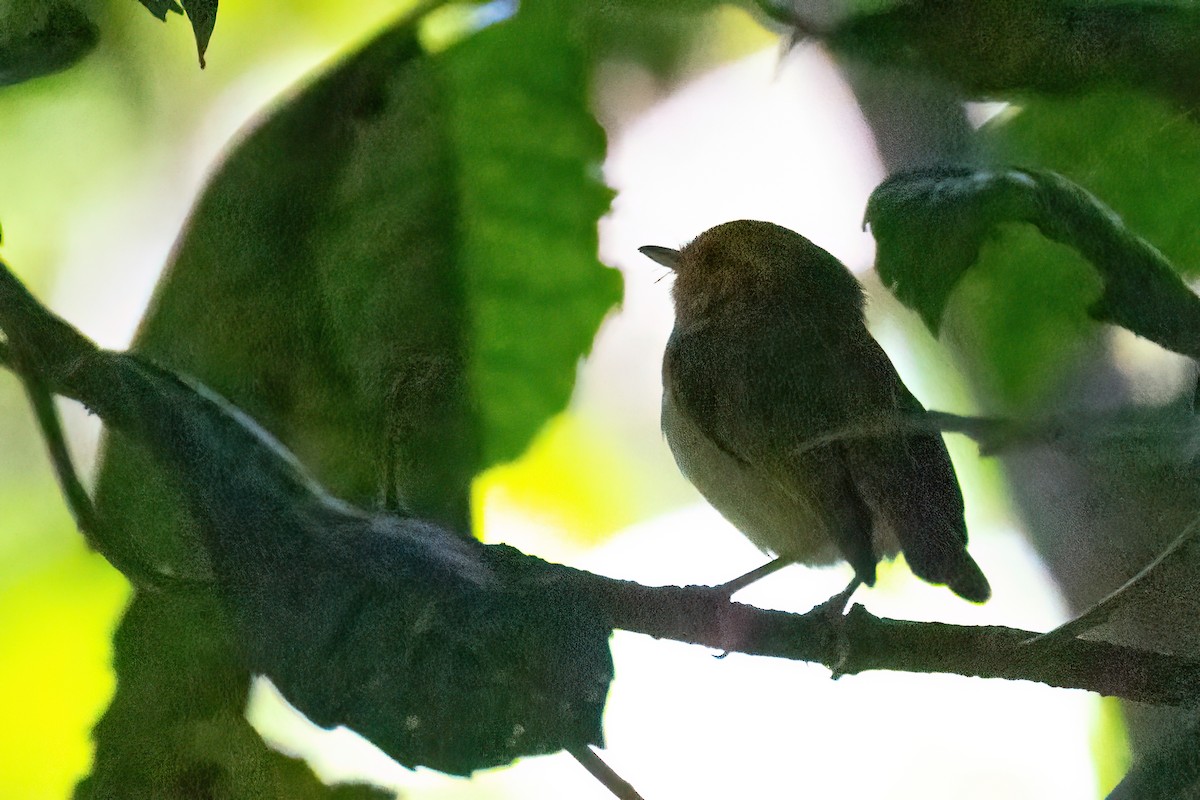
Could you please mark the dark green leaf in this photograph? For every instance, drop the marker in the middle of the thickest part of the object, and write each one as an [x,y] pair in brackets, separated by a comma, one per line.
[203,16]
[201,13]
[445,652]
[49,39]
[399,262]
[998,47]
[176,727]
[656,34]
[930,224]
[159,8]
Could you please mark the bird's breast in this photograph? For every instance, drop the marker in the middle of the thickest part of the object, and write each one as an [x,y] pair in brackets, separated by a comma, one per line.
[776,522]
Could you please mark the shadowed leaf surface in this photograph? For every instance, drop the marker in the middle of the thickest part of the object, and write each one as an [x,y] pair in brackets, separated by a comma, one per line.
[1000,47]
[932,225]
[159,8]
[397,265]
[201,748]
[42,38]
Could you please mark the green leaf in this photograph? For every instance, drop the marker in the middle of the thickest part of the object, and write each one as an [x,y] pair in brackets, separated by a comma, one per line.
[159,8]
[40,38]
[1134,151]
[176,726]
[398,264]
[1022,309]
[445,652]
[930,225]
[1002,47]
[523,144]
[201,13]
[203,16]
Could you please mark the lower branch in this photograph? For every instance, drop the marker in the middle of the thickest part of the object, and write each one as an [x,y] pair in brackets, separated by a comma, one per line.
[705,616]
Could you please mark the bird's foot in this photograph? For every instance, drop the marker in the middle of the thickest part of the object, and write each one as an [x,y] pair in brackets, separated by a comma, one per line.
[833,613]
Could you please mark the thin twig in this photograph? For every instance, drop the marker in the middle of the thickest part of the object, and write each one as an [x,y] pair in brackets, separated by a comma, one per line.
[115,549]
[1102,611]
[998,434]
[79,503]
[602,772]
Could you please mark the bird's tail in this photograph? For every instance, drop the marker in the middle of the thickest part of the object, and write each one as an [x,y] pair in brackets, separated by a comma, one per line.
[970,583]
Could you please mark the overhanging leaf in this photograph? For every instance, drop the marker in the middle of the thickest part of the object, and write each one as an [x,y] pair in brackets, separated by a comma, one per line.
[159,8]
[1001,47]
[445,652]
[397,265]
[203,16]
[201,13]
[929,226]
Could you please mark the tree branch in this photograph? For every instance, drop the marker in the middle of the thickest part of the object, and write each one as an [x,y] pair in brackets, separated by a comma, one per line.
[705,616]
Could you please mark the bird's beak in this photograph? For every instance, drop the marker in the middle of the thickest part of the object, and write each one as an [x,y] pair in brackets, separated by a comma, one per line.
[663,255]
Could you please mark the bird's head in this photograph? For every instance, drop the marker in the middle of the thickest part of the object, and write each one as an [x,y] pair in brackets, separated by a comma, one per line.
[736,265]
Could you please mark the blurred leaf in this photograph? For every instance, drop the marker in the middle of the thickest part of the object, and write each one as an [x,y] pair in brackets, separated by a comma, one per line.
[652,33]
[575,477]
[1022,312]
[1110,744]
[176,727]
[930,224]
[399,260]
[201,13]
[998,47]
[41,38]
[359,244]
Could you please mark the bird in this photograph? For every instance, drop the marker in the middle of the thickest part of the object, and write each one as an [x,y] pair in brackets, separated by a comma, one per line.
[785,413]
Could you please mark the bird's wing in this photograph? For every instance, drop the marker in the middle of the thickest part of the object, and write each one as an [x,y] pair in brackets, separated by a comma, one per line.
[759,399]
[910,485]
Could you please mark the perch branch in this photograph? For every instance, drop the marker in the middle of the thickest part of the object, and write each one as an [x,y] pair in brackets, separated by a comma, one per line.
[705,616]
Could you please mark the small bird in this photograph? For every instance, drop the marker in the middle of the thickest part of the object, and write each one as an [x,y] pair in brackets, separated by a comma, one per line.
[768,374]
